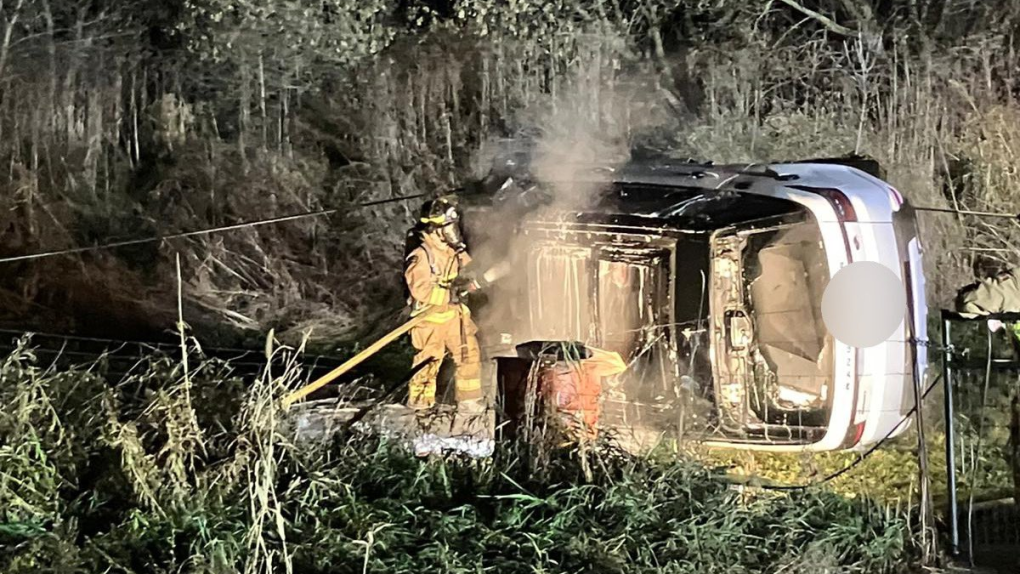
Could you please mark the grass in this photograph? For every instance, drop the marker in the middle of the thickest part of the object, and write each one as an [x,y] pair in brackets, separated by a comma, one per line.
[135,477]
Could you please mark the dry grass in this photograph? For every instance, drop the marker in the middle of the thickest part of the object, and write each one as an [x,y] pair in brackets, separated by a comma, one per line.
[149,491]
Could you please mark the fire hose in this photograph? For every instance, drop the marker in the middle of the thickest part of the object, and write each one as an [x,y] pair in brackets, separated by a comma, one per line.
[488,277]
[357,359]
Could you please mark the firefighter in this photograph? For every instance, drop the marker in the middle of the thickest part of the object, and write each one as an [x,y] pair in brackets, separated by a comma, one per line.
[998,293]
[433,275]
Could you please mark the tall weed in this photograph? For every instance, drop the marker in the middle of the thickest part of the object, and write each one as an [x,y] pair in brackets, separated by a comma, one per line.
[105,476]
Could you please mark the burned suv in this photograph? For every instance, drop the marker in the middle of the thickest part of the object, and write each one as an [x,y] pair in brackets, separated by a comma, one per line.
[708,281]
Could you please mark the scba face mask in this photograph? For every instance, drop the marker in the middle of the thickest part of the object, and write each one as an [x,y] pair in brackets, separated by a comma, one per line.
[442,216]
[452,236]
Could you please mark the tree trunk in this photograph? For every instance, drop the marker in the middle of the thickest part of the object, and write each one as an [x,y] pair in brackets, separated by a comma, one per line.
[70,79]
[51,104]
[8,32]
[243,111]
[262,103]
[134,145]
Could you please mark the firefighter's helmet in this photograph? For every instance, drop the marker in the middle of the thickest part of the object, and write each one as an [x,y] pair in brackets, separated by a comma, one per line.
[440,212]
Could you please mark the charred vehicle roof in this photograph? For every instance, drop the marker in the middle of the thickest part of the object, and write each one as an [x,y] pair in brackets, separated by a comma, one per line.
[665,194]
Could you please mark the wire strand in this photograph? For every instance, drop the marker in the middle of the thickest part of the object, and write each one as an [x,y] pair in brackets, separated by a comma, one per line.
[153,345]
[858,460]
[197,232]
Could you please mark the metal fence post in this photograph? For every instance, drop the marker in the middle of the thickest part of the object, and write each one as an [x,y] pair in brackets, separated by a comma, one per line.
[947,386]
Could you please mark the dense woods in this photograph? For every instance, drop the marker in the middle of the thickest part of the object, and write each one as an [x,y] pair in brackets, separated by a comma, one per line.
[133,119]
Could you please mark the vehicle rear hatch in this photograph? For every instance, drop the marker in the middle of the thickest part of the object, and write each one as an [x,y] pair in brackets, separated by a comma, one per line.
[773,355]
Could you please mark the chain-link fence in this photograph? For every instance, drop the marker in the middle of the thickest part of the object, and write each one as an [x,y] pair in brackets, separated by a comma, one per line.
[982,374]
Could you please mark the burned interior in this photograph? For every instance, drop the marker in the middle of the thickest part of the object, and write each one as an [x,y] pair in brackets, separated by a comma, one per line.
[711,297]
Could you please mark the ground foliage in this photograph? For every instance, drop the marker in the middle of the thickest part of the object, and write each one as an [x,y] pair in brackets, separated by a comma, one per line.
[185,471]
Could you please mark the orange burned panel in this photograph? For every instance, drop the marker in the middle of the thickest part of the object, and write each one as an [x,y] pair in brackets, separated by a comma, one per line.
[575,389]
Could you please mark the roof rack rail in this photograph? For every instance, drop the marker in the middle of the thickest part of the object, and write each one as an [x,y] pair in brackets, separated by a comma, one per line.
[675,166]
[867,164]
[765,171]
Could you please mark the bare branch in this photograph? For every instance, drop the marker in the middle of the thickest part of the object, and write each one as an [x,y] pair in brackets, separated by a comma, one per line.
[824,20]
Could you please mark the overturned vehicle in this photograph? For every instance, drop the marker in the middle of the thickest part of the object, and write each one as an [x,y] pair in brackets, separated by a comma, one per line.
[707,281]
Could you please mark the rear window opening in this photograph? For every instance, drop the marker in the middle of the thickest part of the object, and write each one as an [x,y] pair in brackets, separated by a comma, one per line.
[774,363]
[787,274]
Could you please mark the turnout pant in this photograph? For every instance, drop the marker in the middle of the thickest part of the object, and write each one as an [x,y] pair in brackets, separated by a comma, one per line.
[433,341]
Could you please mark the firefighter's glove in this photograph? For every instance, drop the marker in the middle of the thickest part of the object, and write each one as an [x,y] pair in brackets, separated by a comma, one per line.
[464,286]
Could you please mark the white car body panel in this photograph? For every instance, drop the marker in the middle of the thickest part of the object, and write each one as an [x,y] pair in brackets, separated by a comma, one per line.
[883,374]
[879,376]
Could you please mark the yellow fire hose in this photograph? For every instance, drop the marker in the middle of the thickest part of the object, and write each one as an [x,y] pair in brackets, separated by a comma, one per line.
[356,359]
